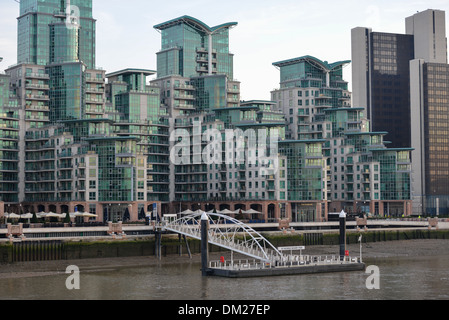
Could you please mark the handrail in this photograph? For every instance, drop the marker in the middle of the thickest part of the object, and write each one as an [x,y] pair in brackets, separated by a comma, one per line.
[235,236]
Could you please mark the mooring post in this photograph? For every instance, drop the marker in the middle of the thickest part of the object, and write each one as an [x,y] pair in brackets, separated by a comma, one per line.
[180,244]
[187,245]
[158,244]
[204,243]
[342,234]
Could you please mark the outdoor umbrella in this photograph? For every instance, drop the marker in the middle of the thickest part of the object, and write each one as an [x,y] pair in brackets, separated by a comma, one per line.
[141,214]
[126,216]
[85,214]
[26,215]
[188,211]
[251,211]
[52,215]
[41,214]
[226,211]
[12,216]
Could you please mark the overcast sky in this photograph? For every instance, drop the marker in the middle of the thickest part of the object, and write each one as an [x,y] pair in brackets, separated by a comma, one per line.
[267,31]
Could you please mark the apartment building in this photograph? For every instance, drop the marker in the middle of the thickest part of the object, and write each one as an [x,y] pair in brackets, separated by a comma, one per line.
[137,141]
[354,170]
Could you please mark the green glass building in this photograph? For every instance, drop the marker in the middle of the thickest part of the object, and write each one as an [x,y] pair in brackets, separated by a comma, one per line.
[191,48]
[358,173]
[138,113]
[9,143]
[42,23]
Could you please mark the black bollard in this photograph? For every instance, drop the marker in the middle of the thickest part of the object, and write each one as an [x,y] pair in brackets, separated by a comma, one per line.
[204,243]
[342,219]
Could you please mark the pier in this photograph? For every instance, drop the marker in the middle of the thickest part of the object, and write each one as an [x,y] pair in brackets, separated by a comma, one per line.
[232,234]
[301,265]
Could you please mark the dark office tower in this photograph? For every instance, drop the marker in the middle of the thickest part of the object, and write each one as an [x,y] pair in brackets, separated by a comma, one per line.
[381,81]
[41,20]
[418,60]
[430,136]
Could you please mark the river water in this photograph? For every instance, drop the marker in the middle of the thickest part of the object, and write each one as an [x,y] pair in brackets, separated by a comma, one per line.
[401,278]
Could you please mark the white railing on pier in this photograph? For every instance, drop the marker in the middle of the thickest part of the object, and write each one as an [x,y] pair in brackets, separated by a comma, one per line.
[286,261]
[228,233]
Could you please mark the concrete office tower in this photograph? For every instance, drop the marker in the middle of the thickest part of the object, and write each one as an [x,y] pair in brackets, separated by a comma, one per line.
[430,137]
[404,78]
[429,104]
[429,32]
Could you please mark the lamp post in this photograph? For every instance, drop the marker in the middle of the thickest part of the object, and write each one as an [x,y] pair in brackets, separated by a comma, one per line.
[204,243]
[342,219]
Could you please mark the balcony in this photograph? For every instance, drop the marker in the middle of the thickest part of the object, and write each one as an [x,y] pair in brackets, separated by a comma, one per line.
[37,108]
[33,75]
[40,97]
[184,97]
[184,87]
[37,86]
[95,101]
[94,90]
[95,80]
[184,106]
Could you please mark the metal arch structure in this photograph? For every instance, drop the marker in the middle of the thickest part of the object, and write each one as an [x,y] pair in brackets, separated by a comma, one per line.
[228,233]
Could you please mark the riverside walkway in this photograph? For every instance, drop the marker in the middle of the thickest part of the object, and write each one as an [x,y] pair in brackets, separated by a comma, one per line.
[130,231]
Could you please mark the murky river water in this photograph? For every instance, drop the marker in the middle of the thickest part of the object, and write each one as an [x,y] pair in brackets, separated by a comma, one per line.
[407,278]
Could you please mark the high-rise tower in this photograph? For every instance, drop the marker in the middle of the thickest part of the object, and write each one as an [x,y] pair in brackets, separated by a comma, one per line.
[401,80]
[44,36]
[191,48]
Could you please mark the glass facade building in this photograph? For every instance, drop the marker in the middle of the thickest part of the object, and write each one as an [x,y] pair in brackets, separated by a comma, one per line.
[43,21]
[9,143]
[185,48]
[334,161]
[76,138]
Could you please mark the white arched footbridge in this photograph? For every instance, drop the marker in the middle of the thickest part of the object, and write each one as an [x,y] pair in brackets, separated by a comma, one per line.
[228,233]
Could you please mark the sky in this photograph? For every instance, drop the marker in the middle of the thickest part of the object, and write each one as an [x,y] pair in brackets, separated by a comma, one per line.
[268,31]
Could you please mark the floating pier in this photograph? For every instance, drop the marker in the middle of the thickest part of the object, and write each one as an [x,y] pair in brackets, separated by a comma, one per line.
[229,233]
[247,269]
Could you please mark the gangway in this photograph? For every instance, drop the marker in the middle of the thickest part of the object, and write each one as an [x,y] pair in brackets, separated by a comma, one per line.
[226,232]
